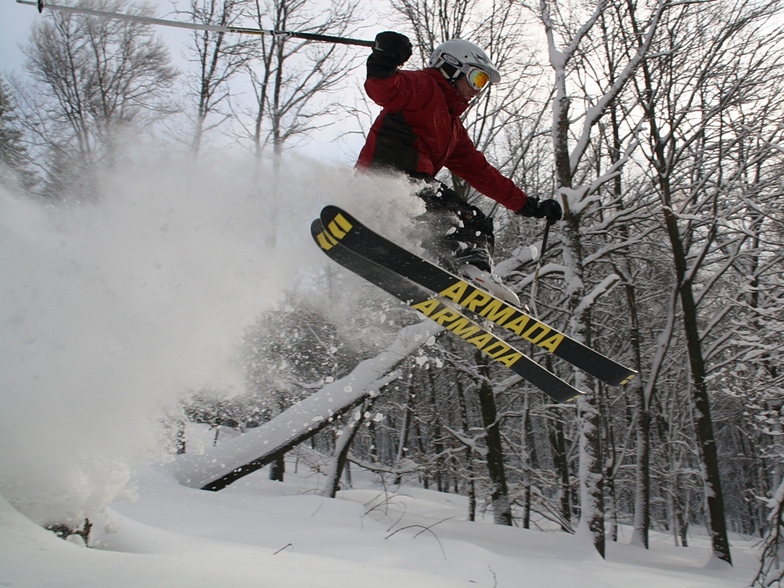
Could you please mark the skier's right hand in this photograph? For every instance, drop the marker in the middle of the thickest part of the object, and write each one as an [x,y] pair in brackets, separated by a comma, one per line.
[391,51]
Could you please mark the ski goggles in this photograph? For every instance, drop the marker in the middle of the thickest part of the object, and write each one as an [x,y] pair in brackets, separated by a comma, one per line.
[477,78]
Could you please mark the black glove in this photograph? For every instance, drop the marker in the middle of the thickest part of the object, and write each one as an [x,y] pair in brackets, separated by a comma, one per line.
[549,209]
[391,51]
[531,208]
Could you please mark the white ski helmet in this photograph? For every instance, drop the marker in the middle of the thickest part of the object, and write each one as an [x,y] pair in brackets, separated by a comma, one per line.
[457,56]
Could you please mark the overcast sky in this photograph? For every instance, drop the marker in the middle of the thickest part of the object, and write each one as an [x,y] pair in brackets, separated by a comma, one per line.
[16,21]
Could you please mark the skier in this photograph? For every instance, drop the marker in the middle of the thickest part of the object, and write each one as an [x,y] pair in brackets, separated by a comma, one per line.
[419,132]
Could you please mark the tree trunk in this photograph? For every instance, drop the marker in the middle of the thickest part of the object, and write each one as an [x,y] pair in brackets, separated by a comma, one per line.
[527,459]
[703,424]
[642,494]
[561,462]
[278,468]
[438,444]
[499,492]
[469,452]
[608,456]
[340,458]
[591,477]
[405,427]
[589,417]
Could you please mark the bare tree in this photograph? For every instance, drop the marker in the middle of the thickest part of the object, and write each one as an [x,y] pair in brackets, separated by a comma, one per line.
[577,186]
[294,80]
[91,77]
[710,70]
[219,57]
[14,159]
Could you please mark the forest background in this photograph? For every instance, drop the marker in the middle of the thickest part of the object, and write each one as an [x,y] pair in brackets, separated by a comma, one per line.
[658,127]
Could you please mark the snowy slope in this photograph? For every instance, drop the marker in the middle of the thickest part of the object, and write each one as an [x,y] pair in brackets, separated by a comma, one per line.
[264,533]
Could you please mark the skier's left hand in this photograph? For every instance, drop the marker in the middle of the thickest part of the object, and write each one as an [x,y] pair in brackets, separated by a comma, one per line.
[549,209]
[530,208]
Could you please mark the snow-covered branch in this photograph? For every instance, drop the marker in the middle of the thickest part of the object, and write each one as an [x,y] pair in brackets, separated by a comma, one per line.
[600,290]
[225,463]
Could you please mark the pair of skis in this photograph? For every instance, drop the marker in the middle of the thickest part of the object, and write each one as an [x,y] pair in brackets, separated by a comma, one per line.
[457,304]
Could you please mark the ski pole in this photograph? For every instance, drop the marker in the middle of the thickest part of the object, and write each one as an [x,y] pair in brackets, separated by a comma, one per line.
[196,26]
[535,284]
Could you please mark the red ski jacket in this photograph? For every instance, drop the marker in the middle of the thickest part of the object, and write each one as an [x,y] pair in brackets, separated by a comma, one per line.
[419,131]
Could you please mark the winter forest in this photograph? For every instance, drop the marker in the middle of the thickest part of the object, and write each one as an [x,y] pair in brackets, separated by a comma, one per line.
[156,260]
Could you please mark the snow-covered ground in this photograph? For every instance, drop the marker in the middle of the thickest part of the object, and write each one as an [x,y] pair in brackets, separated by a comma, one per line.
[262,533]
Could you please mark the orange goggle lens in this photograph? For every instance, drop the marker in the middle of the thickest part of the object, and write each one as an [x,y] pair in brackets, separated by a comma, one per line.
[478,78]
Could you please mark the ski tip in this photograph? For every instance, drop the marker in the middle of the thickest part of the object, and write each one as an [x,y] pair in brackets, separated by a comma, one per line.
[331,212]
[569,398]
[336,224]
[619,376]
[322,237]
